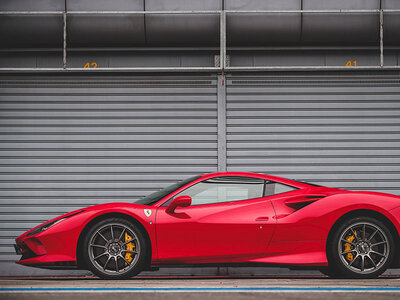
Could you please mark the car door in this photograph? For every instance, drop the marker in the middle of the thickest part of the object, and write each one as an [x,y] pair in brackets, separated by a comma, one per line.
[229,220]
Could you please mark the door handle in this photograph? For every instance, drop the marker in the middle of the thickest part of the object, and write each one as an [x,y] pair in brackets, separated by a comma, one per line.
[262,219]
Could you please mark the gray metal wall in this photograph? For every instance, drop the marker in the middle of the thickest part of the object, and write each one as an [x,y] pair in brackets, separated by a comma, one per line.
[72,141]
[335,130]
[154,30]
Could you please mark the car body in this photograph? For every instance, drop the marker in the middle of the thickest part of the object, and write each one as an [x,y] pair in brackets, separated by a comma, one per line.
[278,222]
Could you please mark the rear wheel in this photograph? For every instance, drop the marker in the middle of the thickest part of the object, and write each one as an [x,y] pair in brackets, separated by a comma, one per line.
[115,249]
[330,272]
[361,247]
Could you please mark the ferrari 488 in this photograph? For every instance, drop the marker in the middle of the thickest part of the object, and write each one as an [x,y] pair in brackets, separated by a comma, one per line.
[226,218]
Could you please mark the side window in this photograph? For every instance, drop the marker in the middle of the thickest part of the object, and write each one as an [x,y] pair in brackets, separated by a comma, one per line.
[225,189]
[274,188]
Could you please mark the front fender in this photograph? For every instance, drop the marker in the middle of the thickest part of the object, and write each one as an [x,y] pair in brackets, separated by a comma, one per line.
[137,213]
[61,240]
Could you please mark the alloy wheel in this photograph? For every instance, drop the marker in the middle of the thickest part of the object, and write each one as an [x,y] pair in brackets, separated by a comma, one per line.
[114,249]
[363,247]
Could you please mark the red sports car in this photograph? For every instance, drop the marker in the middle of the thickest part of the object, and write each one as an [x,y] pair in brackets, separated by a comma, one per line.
[225,219]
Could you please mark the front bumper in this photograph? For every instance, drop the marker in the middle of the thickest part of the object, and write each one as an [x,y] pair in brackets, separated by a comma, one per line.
[49,249]
[34,254]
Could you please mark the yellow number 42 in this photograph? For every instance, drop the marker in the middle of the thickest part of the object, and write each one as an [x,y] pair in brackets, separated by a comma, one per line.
[351,63]
[90,65]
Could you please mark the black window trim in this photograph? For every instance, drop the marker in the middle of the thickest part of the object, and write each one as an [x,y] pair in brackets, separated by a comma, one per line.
[265,188]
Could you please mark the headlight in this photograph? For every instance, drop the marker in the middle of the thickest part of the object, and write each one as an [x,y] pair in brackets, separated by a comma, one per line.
[44,227]
[48,225]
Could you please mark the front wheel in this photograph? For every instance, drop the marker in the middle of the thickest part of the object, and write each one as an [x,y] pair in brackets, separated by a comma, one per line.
[361,247]
[115,249]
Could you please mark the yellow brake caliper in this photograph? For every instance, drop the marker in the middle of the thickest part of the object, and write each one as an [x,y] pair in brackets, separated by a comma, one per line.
[129,247]
[347,247]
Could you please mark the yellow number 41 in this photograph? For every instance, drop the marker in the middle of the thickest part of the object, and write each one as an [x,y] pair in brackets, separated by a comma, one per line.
[90,65]
[351,63]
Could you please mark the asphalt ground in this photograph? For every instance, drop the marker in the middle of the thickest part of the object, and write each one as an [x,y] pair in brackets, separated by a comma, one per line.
[199,287]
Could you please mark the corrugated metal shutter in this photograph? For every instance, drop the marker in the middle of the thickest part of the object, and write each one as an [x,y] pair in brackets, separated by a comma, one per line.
[70,142]
[338,130]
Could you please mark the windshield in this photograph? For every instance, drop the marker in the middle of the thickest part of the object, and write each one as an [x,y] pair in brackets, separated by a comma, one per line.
[157,196]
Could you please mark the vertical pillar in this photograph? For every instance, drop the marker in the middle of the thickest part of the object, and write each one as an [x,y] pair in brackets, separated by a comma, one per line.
[381,35]
[222,43]
[65,40]
[221,107]
[221,121]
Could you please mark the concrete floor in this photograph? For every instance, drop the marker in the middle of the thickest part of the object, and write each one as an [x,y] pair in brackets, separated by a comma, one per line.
[199,287]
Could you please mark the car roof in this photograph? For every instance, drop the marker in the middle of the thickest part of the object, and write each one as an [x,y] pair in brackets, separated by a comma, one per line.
[258,175]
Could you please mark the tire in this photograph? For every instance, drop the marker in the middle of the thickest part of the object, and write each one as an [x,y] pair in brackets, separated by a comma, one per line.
[361,247]
[332,273]
[115,248]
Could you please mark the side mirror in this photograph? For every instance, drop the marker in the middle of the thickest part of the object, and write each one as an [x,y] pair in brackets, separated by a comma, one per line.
[181,201]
